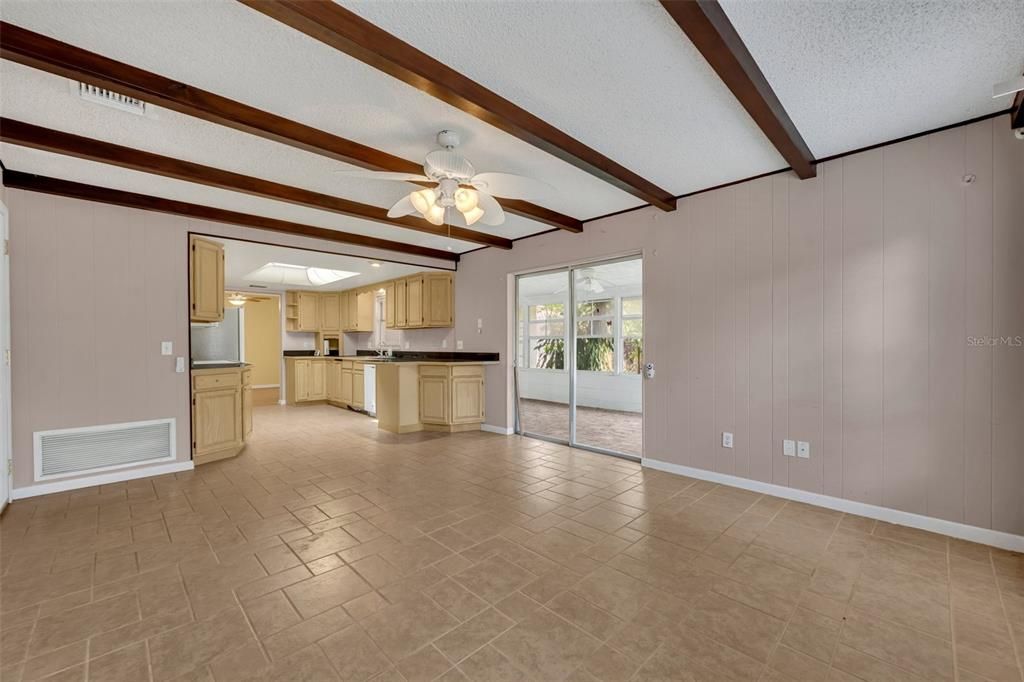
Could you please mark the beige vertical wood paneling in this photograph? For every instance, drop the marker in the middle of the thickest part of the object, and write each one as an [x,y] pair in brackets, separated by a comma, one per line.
[862,327]
[725,326]
[806,325]
[946,329]
[741,310]
[1008,321]
[677,265]
[832,328]
[978,322]
[761,293]
[702,332]
[780,327]
[905,207]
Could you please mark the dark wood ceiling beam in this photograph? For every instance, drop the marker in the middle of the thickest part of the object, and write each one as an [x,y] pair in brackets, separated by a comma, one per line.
[37,137]
[115,197]
[706,25]
[349,33]
[41,52]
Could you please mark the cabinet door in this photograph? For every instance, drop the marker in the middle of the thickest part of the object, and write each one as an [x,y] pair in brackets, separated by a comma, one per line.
[414,302]
[216,419]
[401,303]
[353,311]
[302,379]
[367,300]
[333,380]
[343,311]
[389,305]
[437,300]
[330,313]
[434,399]
[467,400]
[246,411]
[309,311]
[206,280]
[346,385]
[317,380]
[358,389]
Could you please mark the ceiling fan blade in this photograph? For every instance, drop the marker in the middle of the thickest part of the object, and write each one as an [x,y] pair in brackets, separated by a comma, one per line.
[384,175]
[493,213]
[402,207]
[512,186]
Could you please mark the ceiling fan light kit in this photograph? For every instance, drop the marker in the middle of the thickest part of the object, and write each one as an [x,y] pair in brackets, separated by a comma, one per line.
[459,187]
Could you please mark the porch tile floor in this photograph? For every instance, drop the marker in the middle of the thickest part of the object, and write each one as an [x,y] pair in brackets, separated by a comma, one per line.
[613,430]
[328,551]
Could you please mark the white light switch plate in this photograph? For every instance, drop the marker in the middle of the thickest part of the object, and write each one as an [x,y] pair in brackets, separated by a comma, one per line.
[458,344]
[726,439]
[803,449]
[789,448]
[166,348]
[179,365]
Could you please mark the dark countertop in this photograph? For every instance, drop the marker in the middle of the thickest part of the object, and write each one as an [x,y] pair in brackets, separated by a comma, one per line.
[410,356]
[218,365]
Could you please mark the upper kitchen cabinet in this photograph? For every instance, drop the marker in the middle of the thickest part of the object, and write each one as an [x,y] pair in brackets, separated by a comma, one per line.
[330,312]
[360,310]
[302,311]
[423,300]
[389,305]
[206,280]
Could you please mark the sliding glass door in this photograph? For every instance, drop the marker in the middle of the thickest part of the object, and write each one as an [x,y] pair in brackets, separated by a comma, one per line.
[579,340]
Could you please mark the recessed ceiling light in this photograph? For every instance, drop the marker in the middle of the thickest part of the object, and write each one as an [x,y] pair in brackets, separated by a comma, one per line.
[374,265]
[297,275]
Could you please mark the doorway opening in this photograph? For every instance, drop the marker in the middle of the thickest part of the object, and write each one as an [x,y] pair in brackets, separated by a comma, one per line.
[579,356]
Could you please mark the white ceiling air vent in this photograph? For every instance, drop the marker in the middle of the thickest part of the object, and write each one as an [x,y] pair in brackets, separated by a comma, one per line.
[91,93]
[91,449]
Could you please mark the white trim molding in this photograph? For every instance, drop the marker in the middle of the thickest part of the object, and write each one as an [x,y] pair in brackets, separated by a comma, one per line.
[503,430]
[102,479]
[985,536]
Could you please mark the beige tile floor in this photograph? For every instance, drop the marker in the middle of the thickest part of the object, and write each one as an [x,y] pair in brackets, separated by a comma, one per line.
[327,552]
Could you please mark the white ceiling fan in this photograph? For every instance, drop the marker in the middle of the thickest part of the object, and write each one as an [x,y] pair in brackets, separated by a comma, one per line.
[587,281]
[459,187]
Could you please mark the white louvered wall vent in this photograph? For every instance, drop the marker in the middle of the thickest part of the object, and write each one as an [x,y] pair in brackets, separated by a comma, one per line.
[91,93]
[91,449]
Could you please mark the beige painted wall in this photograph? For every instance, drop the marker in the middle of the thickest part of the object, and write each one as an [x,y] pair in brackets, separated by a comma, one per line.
[836,310]
[263,340]
[94,290]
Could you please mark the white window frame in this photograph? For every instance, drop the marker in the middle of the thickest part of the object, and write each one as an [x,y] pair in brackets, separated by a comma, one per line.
[616,331]
[623,317]
[527,347]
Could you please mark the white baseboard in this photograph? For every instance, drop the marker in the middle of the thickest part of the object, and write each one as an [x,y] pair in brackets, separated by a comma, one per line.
[266,385]
[505,431]
[102,479]
[983,536]
[282,402]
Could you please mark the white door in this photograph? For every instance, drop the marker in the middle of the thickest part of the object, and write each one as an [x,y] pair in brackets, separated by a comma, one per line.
[5,363]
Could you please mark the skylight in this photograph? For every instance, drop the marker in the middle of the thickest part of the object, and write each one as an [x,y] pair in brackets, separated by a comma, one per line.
[297,275]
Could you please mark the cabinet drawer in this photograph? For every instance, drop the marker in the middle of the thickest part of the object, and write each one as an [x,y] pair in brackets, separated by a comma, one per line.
[471,371]
[434,371]
[207,381]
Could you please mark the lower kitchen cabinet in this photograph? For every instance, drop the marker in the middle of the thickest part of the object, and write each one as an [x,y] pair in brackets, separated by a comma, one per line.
[305,379]
[221,412]
[358,387]
[451,397]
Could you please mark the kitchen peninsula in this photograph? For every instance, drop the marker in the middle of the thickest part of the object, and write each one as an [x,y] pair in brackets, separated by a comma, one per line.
[415,391]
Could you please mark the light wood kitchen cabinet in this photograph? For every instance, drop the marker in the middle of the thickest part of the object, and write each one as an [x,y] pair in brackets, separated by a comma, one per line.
[300,380]
[334,381]
[451,397]
[246,403]
[221,413]
[346,382]
[353,311]
[414,301]
[330,312]
[389,305]
[360,311]
[206,280]
[318,380]
[358,387]
[401,301]
[343,310]
[309,312]
[437,300]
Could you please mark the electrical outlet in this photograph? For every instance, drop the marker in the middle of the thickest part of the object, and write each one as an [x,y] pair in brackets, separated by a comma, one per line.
[444,343]
[179,364]
[406,345]
[803,449]
[726,439]
[458,345]
[789,448]
[166,348]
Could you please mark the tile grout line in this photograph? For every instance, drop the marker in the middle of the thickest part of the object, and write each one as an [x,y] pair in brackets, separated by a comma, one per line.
[1006,614]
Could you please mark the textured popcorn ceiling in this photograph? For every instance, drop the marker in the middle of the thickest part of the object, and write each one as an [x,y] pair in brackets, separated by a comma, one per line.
[855,73]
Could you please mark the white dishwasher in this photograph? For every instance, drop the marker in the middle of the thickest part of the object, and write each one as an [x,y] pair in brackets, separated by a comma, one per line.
[370,389]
